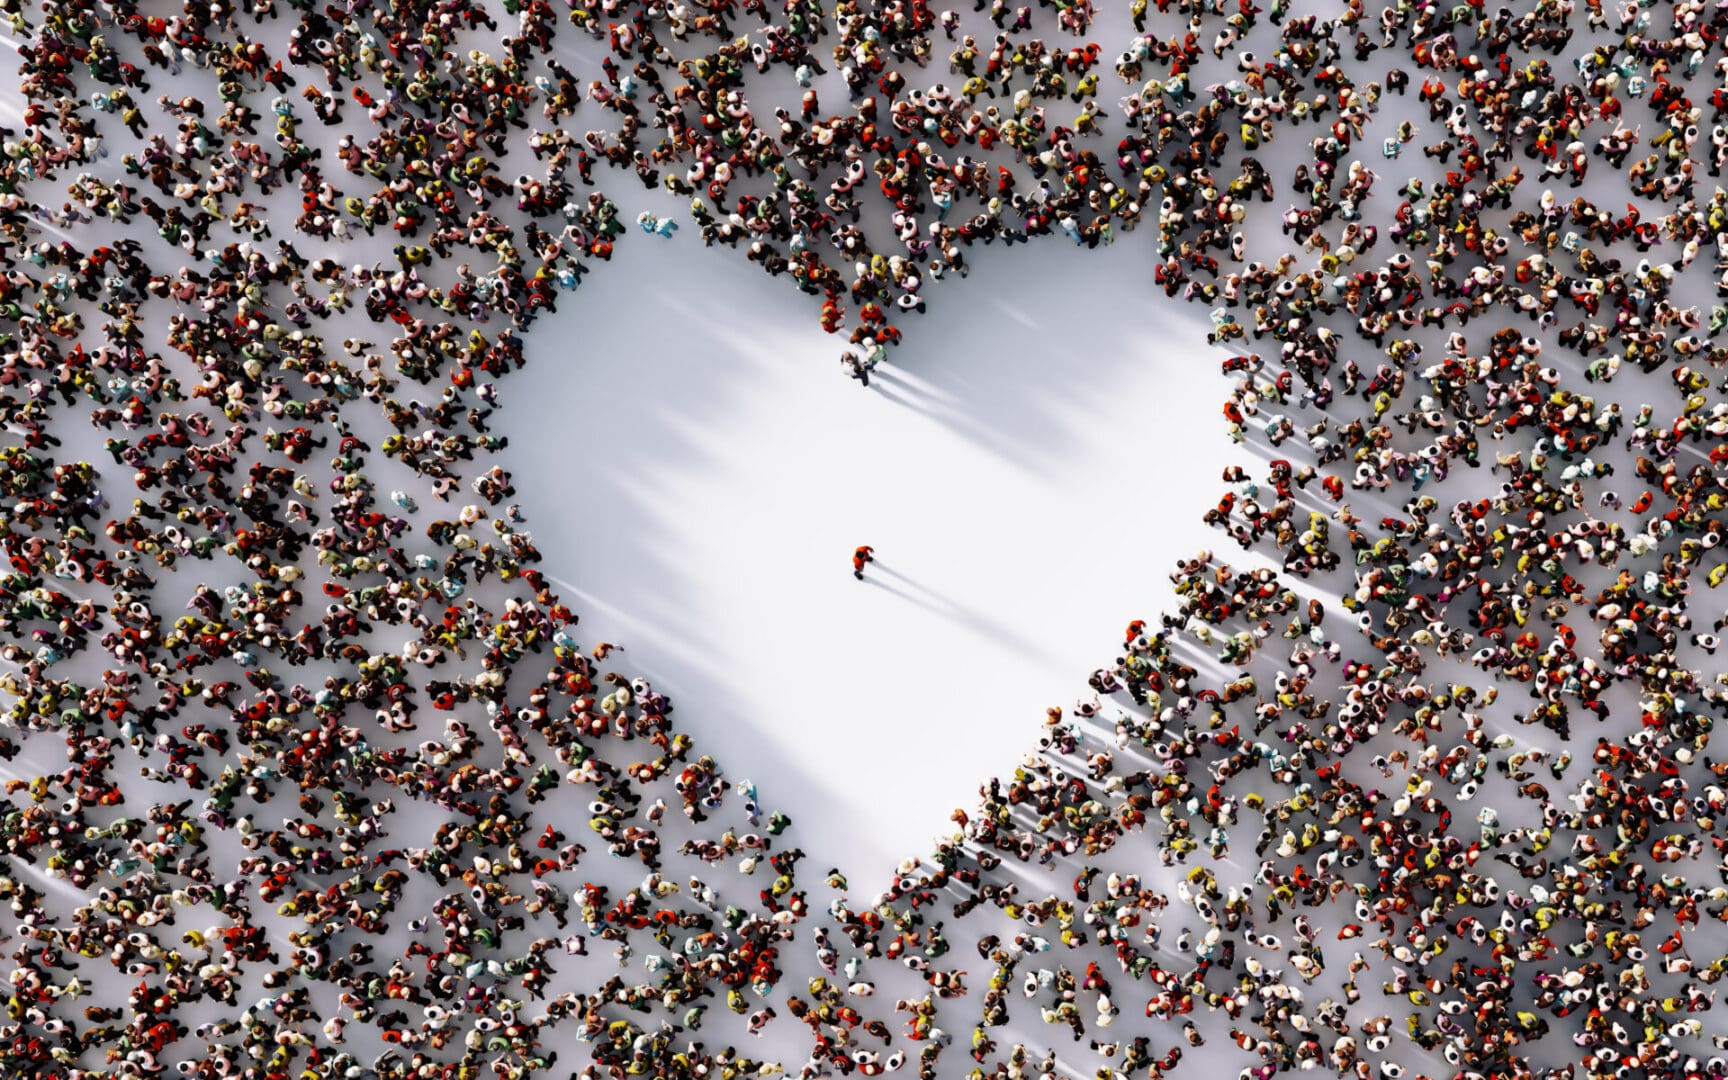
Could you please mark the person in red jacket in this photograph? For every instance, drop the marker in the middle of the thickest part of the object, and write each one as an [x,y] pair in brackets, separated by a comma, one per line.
[864,554]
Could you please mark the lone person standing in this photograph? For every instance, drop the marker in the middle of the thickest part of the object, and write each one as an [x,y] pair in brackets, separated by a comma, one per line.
[865,554]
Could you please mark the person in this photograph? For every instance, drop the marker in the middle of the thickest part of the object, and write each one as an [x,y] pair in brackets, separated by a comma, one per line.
[864,554]
[856,367]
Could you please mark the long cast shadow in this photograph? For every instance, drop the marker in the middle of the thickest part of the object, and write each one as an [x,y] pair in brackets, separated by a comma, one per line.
[959,614]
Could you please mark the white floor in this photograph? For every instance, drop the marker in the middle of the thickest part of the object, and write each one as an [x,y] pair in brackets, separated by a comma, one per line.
[1028,472]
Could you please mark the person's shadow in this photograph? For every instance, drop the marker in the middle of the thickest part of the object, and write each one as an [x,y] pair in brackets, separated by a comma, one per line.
[1017,372]
[891,580]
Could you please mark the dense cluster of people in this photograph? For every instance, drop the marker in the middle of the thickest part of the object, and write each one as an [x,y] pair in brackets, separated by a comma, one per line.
[324,738]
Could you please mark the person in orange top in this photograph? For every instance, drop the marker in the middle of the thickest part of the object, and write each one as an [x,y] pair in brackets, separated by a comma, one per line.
[864,554]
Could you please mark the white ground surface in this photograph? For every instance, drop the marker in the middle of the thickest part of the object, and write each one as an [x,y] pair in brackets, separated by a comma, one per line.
[1028,471]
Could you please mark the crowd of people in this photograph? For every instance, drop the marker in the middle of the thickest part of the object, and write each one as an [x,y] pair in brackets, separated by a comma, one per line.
[324,738]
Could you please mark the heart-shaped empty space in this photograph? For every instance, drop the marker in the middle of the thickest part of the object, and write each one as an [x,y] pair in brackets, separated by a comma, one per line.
[697,470]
